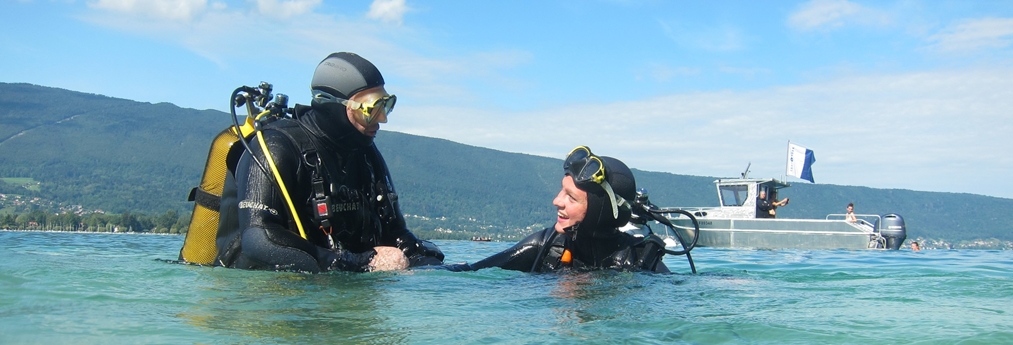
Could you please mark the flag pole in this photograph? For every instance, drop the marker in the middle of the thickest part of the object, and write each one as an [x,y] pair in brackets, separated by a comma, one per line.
[787,160]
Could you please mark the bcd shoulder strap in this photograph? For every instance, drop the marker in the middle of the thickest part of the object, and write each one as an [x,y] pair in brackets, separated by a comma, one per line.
[322,171]
[551,251]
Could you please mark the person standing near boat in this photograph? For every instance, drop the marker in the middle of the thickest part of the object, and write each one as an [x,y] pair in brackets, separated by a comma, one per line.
[330,204]
[591,206]
[766,208]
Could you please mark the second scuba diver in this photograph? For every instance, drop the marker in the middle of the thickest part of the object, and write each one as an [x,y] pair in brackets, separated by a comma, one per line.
[592,205]
[337,183]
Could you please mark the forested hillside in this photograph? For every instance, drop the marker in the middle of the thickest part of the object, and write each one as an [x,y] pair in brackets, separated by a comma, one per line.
[100,152]
[117,155]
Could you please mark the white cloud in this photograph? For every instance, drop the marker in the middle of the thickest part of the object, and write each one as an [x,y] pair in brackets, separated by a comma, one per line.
[172,10]
[749,72]
[896,131]
[391,11]
[286,8]
[722,39]
[818,13]
[224,35]
[432,80]
[711,37]
[822,14]
[308,37]
[974,35]
[917,131]
[663,73]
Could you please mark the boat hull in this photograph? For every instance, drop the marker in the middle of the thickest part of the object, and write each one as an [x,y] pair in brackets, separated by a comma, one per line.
[780,234]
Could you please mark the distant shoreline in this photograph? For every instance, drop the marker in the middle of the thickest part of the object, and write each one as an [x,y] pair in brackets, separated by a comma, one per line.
[926,244]
[92,232]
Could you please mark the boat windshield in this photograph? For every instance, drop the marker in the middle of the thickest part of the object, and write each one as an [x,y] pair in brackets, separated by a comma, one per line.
[733,195]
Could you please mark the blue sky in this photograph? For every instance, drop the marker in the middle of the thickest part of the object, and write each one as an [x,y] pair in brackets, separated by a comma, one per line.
[888,94]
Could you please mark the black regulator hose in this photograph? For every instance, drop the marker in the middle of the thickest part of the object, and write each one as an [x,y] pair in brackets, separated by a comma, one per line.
[233,102]
[656,214]
[686,247]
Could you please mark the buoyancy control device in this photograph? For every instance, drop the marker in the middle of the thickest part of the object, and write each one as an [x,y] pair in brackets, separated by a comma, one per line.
[199,246]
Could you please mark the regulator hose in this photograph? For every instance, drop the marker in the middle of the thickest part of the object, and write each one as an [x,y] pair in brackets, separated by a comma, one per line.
[657,215]
[239,132]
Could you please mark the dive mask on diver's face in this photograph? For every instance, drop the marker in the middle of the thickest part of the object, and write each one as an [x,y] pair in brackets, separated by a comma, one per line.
[585,168]
[367,114]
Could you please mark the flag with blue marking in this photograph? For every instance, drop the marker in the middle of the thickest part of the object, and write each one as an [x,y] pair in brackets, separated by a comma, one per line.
[800,162]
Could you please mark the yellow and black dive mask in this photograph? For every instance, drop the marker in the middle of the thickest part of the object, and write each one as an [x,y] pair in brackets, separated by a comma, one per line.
[586,168]
[375,110]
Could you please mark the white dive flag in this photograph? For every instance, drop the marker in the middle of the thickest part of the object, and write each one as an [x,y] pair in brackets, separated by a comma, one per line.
[800,162]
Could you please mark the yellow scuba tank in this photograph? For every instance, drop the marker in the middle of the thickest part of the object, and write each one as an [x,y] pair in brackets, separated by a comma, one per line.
[199,246]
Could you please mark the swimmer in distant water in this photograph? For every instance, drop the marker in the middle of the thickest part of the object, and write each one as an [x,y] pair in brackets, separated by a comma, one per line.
[592,205]
[915,247]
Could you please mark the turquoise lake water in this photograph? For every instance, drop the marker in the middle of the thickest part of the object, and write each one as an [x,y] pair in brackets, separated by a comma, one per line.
[78,288]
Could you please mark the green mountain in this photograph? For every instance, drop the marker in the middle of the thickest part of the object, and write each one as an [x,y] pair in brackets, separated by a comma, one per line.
[118,155]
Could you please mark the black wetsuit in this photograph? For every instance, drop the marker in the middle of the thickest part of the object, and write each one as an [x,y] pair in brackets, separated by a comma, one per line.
[593,243]
[763,208]
[542,252]
[364,208]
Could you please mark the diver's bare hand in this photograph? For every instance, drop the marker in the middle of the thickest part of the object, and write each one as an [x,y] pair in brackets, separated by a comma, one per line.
[388,259]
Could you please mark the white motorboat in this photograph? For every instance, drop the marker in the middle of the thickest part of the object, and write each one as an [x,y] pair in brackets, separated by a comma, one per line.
[737,223]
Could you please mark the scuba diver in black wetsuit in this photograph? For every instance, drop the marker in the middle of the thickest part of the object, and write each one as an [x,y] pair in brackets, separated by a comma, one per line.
[766,208]
[331,175]
[593,203]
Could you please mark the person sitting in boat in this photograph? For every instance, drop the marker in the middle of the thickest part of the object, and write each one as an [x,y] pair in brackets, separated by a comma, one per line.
[593,203]
[850,216]
[766,208]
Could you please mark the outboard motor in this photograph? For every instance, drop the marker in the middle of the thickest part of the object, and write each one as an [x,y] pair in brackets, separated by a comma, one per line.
[893,229]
